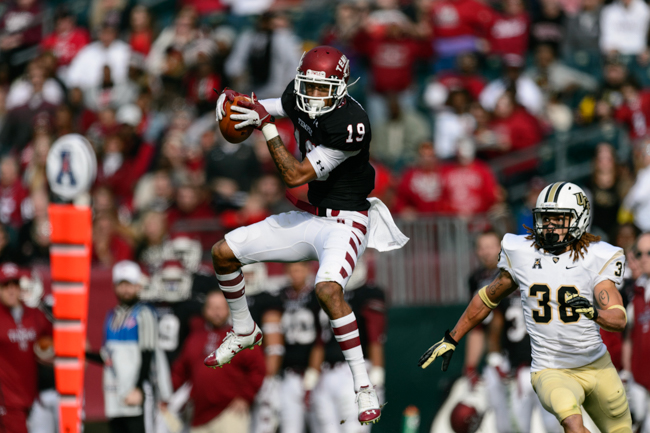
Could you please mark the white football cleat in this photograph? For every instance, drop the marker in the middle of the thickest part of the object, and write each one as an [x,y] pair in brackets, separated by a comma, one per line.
[369,409]
[231,345]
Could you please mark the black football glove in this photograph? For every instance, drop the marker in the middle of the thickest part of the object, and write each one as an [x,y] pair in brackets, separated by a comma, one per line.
[582,306]
[443,348]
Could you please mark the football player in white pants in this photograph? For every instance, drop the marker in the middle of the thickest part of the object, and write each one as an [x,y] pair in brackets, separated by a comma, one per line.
[333,134]
[560,271]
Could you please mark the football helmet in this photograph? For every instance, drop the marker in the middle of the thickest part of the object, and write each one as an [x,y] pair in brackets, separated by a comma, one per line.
[172,284]
[465,418]
[323,66]
[563,198]
[186,250]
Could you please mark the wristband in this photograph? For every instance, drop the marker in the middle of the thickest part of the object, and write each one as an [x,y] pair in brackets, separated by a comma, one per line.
[484,297]
[270,131]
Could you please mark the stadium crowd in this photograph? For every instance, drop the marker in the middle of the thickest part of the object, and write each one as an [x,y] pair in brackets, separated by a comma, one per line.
[462,96]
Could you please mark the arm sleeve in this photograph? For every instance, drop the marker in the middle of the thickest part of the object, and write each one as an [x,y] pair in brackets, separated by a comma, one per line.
[374,314]
[145,367]
[325,159]
[179,370]
[274,107]
[613,269]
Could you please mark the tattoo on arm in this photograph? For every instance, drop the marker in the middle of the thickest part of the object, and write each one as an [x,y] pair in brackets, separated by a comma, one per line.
[285,161]
[603,297]
[452,333]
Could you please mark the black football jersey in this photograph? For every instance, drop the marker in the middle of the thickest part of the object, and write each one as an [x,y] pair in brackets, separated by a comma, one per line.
[261,303]
[345,128]
[359,299]
[300,326]
[515,340]
[174,325]
[480,278]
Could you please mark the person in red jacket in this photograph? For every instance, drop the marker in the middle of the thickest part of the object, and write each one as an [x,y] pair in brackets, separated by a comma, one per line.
[21,328]
[469,186]
[636,350]
[634,113]
[420,190]
[66,40]
[222,397]
[509,32]
[12,192]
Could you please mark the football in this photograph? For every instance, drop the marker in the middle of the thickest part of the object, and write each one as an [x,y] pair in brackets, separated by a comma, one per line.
[227,126]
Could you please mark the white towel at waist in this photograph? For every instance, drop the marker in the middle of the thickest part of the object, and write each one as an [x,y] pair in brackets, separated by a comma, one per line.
[383,234]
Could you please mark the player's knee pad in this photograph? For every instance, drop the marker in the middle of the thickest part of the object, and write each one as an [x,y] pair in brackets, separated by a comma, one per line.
[615,403]
[563,403]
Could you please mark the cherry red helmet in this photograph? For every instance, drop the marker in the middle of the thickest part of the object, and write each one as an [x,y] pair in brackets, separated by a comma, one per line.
[465,419]
[323,66]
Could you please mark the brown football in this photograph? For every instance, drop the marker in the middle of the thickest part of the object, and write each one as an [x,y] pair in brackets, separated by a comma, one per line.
[227,126]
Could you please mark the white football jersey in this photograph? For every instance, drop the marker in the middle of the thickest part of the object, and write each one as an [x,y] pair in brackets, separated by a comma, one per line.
[560,337]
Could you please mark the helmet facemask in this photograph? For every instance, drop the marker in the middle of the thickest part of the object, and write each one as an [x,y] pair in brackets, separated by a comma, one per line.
[553,241]
[318,105]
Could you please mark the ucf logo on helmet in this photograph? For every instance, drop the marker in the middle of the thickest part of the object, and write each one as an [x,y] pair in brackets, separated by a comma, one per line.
[582,200]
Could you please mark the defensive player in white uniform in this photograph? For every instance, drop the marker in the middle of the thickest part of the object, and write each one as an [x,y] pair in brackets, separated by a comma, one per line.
[335,227]
[561,271]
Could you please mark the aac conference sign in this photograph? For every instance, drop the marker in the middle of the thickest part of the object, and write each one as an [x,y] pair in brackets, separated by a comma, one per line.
[71,166]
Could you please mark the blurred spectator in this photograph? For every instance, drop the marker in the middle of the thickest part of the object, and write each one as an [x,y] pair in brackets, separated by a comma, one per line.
[108,246]
[524,213]
[35,157]
[634,113]
[87,68]
[103,10]
[200,87]
[7,252]
[453,123]
[223,408]
[395,141]
[548,26]
[552,76]
[514,128]
[637,200]
[232,161]
[175,38]
[466,77]
[625,236]
[509,31]
[190,205]
[469,186]
[246,8]
[130,353]
[526,91]
[615,74]
[154,191]
[459,26]
[21,31]
[34,84]
[141,33]
[271,190]
[21,328]
[624,28]
[66,41]
[604,191]
[110,93]
[150,251]
[82,117]
[582,31]
[34,235]
[637,338]
[12,192]
[420,189]
[392,52]
[268,55]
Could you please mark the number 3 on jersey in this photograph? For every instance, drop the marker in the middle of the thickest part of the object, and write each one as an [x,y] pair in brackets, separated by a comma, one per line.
[545,314]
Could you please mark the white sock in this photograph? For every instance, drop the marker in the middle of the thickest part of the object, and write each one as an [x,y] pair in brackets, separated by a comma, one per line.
[233,288]
[346,333]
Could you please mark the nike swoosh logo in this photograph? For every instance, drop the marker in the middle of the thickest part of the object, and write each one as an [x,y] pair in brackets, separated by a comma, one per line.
[571,267]
[444,346]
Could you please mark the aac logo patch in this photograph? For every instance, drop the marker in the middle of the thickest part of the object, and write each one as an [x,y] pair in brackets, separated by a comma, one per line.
[537,264]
